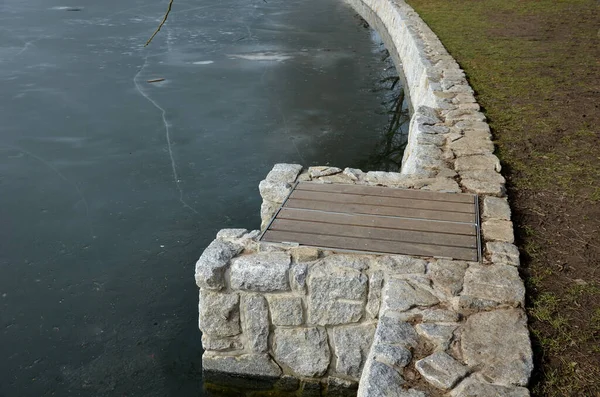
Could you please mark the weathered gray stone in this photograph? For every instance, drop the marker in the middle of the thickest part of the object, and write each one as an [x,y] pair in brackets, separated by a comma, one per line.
[317,172]
[484,186]
[469,106]
[441,370]
[460,88]
[498,230]
[374,297]
[434,129]
[446,185]
[267,211]
[258,365]
[282,172]
[394,356]
[446,173]
[210,268]
[336,295]
[272,191]
[249,237]
[438,334]
[298,274]
[265,246]
[497,208]
[380,380]
[391,331]
[489,176]
[256,322]
[447,275]
[483,162]
[423,119]
[219,314]
[472,125]
[498,342]
[470,304]
[477,133]
[427,315]
[351,345]
[456,85]
[340,261]
[336,178]
[429,112]
[499,283]
[469,146]
[385,178]
[503,253]
[303,177]
[463,98]
[431,139]
[354,173]
[221,344]
[455,136]
[427,156]
[231,234]
[401,295]
[401,264]
[305,254]
[286,310]
[474,387]
[464,114]
[304,350]
[264,272]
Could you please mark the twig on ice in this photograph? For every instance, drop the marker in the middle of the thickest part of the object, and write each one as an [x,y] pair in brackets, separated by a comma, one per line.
[161,24]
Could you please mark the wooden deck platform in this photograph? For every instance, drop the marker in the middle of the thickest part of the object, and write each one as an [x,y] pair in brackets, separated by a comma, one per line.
[379,220]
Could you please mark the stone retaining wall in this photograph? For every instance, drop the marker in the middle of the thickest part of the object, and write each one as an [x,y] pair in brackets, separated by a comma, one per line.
[318,321]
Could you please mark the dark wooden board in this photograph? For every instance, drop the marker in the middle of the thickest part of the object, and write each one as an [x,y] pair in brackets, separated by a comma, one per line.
[380,201]
[370,245]
[387,192]
[377,210]
[407,236]
[388,222]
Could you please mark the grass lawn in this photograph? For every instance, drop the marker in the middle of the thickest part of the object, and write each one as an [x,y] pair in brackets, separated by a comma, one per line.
[535,66]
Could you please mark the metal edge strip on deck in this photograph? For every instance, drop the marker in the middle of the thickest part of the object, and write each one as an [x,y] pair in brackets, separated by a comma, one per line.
[278,210]
[478,227]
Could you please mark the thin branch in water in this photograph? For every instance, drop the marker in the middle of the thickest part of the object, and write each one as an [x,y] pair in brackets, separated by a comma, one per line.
[161,23]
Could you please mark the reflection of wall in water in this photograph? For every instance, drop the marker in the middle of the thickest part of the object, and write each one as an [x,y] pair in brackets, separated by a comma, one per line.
[391,143]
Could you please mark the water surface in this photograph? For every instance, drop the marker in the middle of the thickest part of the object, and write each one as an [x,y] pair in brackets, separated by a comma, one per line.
[111,186]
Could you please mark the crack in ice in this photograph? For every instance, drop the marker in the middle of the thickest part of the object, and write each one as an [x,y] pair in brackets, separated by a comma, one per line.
[167,135]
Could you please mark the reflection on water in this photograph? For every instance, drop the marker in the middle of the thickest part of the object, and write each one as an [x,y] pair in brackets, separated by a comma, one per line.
[392,139]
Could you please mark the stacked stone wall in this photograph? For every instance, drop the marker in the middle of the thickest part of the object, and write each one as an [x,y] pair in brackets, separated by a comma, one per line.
[401,326]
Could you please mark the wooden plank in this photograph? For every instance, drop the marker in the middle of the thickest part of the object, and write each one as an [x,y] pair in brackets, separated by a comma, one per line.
[350,198]
[374,210]
[371,245]
[378,221]
[387,192]
[406,236]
